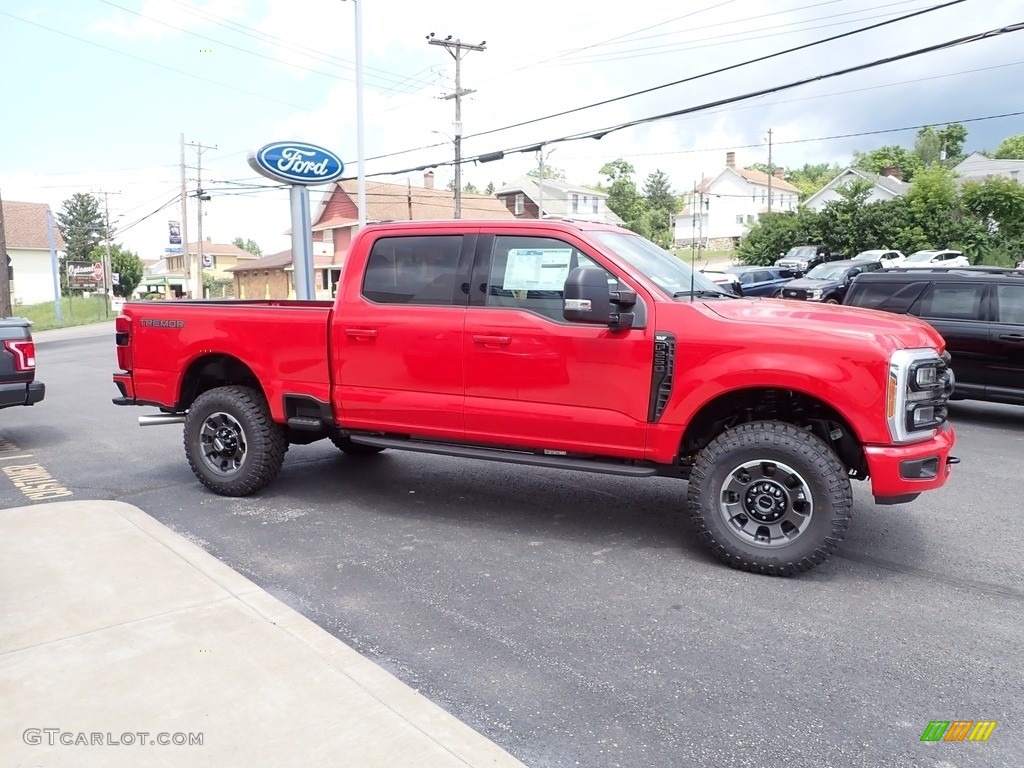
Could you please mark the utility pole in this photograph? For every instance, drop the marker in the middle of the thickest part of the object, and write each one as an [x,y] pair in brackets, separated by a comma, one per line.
[540,182]
[456,49]
[771,170]
[185,261]
[197,290]
[108,277]
[5,277]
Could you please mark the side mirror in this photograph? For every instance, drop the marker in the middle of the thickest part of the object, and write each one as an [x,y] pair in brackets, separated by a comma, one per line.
[587,299]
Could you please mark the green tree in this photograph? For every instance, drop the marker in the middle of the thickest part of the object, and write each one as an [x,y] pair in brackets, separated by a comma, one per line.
[550,172]
[248,245]
[997,203]
[489,189]
[470,189]
[81,225]
[928,146]
[1012,148]
[936,211]
[844,219]
[124,263]
[877,160]
[623,197]
[658,192]
[811,177]
[953,137]
[775,233]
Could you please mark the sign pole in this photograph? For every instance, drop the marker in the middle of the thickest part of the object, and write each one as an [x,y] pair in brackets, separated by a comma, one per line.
[302,244]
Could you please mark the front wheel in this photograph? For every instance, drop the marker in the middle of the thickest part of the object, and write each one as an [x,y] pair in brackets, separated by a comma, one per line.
[831,300]
[233,445]
[769,498]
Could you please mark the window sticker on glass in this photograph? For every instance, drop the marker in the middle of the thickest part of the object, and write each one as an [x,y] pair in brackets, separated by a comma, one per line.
[536,269]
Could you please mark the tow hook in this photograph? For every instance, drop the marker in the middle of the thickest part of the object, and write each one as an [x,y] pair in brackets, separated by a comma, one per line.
[952,460]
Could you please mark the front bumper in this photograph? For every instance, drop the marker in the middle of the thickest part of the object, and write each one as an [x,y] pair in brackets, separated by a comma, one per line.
[903,471]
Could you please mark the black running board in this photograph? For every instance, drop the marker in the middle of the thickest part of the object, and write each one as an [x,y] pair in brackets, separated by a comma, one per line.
[600,466]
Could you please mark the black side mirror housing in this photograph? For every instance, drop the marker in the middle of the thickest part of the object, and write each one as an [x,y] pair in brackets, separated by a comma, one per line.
[588,299]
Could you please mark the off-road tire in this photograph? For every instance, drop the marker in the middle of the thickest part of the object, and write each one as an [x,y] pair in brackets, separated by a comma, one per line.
[777,459]
[232,444]
[831,300]
[349,448]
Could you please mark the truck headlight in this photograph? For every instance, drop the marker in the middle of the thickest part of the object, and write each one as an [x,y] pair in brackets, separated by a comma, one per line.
[814,295]
[919,383]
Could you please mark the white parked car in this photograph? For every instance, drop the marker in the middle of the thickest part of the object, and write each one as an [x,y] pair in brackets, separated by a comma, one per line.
[882,257]
[942,258]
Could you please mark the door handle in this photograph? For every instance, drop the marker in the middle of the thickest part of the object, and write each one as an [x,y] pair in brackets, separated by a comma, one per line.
[361,333]
[1019,337]
[492,341]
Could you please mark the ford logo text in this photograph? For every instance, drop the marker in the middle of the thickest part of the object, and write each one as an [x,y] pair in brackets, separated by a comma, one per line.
[295,162]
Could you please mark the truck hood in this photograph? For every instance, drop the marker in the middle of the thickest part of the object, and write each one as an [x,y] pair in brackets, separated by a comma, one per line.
[822,324]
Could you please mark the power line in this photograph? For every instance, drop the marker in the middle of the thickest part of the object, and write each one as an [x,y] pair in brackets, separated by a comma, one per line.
[676,82]
[720,70]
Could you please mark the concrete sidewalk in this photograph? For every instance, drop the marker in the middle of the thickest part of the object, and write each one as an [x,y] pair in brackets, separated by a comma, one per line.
[117,634]
[104,328]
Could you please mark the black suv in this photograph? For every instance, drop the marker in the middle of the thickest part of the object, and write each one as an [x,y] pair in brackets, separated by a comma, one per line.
[827,283]
[979,311]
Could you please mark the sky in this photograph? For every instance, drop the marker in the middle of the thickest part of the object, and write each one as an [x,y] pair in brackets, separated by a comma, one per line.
[96,94]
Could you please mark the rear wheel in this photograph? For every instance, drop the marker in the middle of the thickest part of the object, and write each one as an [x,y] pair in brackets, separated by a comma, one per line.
[346,446]
[769,498]
[233,445]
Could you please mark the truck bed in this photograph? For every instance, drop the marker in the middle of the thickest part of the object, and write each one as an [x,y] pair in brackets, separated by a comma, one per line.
[175,339]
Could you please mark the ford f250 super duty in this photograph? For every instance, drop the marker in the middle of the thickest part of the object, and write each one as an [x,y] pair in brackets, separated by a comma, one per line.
[560,344]
[18,385]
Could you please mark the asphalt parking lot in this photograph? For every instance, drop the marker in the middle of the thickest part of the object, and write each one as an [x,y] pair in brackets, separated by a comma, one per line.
[572,618]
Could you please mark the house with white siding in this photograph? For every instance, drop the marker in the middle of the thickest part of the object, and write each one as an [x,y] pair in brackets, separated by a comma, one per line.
[887,185]
[978,167]
[720,210]
[28,228]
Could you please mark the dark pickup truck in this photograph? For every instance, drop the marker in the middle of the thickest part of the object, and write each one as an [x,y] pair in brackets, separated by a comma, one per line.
[18,364]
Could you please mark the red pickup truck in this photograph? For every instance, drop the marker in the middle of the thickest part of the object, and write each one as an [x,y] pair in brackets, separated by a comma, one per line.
[560,344]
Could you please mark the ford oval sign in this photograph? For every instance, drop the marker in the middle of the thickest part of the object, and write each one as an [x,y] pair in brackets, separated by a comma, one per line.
[295,162]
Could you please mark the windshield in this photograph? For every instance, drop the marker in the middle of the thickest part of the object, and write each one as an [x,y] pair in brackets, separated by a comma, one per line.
[827,272]
[921,256]
[868,256]
[802,252]
[663,269]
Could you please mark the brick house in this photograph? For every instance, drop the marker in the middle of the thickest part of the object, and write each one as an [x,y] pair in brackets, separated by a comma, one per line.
[27,233]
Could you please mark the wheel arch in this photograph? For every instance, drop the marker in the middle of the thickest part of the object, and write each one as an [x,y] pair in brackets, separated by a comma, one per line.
[215,370]
[790,406]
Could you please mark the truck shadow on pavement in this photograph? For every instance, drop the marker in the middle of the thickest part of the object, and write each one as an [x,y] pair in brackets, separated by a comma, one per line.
[646,513]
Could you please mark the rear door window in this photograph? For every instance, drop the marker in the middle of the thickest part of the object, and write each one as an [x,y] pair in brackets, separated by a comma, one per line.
[413,270]
[1010,304]
[953,301]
